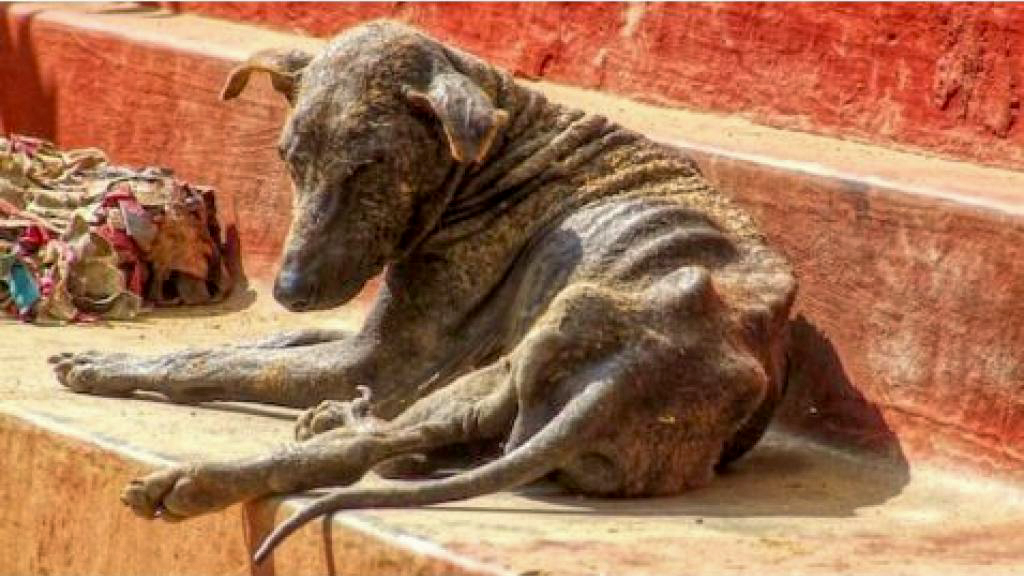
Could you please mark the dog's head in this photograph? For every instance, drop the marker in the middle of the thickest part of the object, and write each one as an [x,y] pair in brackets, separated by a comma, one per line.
[379,121]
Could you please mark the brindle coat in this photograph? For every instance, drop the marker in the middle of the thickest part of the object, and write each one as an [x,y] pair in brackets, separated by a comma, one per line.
[555,285]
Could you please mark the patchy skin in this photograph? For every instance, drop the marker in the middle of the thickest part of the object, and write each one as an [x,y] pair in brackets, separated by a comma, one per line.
[557,287]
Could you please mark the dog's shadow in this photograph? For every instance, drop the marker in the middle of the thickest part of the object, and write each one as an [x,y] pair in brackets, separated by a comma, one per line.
[783,476]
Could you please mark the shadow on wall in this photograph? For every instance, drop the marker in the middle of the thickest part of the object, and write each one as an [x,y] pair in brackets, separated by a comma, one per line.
[822,403]
[23,88]
[151,8]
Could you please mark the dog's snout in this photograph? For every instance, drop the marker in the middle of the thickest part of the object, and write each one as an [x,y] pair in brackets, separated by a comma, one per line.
[292,290]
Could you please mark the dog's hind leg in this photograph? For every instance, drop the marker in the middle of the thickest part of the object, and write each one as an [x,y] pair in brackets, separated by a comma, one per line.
[479,406]
[559,441]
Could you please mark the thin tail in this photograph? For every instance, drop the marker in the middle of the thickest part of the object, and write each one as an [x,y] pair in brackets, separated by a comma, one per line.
[544,452]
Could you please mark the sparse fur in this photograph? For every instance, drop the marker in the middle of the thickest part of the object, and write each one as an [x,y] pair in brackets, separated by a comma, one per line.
[557,286]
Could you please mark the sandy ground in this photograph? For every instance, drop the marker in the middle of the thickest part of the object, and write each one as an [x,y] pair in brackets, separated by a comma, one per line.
[790,507]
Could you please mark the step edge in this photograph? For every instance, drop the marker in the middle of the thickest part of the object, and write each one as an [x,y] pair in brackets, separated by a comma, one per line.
[278,505]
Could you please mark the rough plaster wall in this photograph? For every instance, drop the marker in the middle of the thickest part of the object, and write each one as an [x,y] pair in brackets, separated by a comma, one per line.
[938,77]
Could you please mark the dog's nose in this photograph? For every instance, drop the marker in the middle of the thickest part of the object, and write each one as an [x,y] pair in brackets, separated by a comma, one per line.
[292,291]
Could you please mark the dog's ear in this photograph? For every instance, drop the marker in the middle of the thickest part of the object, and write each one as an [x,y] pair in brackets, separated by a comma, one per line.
[467,114]
[284,66]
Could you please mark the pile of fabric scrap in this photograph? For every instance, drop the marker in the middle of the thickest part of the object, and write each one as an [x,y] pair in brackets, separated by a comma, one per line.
[82,240]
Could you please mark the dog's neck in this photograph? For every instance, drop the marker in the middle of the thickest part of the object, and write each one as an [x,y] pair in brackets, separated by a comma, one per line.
[550,159]
[542,145]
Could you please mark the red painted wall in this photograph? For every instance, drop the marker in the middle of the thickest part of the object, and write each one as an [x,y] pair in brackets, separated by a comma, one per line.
[939,77]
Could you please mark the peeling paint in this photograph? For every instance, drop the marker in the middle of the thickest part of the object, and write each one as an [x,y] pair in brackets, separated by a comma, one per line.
[634,13]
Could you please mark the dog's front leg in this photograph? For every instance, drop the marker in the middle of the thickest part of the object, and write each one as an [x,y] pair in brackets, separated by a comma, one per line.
[334,458]
[408,340]
[479,406]
[285,375]
[287,372]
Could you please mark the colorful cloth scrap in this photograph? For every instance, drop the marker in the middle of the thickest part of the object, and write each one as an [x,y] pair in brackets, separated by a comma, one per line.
[81,239]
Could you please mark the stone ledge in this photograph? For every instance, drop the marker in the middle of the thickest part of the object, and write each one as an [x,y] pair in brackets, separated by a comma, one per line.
[66,457]
[789,507]
[61,482]
[157,103]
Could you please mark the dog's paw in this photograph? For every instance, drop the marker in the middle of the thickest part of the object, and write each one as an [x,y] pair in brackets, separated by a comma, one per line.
[332,414]
[92,372]
[327,415]
[177,493]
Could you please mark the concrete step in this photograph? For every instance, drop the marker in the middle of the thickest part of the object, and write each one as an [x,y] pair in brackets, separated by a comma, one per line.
[66,457]
[927,77]
[908,333]
[789,507]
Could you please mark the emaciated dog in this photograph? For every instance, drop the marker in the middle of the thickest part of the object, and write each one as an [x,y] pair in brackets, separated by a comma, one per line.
[556,286]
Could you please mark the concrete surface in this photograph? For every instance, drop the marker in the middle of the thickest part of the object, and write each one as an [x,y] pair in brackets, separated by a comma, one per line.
[790,507]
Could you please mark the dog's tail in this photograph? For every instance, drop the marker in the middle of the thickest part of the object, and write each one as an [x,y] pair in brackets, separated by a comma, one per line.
[541,454]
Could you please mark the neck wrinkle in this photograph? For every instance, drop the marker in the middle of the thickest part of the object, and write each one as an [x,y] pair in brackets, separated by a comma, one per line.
[423,235]
[540,142]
